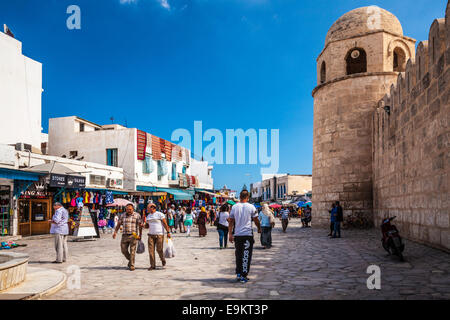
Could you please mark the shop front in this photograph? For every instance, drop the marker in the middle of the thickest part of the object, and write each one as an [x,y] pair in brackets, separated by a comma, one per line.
[35,205]
[11,182]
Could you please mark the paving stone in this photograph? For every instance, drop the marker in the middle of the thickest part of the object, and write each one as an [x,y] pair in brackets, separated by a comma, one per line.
[303,264]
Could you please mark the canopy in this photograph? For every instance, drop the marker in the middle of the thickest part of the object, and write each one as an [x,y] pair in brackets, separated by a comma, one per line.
[275,205]
[119,202]
[178,194]
[19,175]
[54,167]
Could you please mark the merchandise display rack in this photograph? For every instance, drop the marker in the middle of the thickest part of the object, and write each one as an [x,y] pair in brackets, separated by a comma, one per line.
[5,210]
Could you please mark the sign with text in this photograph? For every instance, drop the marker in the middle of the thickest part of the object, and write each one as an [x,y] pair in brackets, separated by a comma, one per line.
[64,181]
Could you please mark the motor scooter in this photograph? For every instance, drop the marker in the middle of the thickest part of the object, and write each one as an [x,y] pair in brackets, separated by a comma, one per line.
[392,242]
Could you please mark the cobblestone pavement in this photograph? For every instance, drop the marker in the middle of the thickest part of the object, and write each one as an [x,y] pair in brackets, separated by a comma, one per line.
[303,264]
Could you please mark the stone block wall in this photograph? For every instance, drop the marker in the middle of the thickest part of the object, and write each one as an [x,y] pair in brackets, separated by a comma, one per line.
[411,145]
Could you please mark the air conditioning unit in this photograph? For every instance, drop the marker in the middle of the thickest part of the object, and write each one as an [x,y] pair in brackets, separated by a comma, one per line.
[23,146]
[114,183]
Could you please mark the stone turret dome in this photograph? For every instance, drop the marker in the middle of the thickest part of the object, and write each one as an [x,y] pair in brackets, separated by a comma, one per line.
[361,21]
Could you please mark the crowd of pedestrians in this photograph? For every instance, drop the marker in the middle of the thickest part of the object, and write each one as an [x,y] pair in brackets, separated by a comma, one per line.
[234,224]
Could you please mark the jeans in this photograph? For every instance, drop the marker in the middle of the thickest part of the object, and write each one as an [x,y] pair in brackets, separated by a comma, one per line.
[266,236]
[223,237]
[337,229]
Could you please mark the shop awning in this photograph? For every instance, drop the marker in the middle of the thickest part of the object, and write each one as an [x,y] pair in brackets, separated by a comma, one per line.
[19,174]
[208,192]
[178,194]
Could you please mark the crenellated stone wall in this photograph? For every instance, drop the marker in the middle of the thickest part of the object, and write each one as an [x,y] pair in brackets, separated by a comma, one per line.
[411,145]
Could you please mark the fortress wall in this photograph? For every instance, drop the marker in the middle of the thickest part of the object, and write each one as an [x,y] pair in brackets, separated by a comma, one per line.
[411,146]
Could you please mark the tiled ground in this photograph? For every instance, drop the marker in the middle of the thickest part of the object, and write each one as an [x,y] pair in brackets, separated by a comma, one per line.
[303,264]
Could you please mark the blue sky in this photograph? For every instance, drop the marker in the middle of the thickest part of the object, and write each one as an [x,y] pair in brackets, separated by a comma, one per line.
[159,65]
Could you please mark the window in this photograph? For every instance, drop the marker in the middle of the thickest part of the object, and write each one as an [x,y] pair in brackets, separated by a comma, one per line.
[356,61]
[174,171]
[147,166]
[81,127]
[111,157]
[399,60]
[97,180]
[323,73]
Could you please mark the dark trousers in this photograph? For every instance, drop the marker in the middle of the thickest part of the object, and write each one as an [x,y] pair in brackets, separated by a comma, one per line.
[266,236]
[244,250]
[331,228]
[337,229]
[284,224]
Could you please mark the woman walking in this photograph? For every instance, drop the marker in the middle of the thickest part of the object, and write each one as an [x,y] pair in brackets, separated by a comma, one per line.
[222,226]
[188,221]
[201,222]
[171,218]
[267,223]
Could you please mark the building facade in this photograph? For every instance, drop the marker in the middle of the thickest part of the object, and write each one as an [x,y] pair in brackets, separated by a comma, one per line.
[381,125]
[147,160]
[20,95]
[356,68]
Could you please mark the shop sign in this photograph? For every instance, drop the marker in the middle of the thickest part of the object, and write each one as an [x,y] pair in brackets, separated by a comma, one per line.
[57,180]
[64,181]
[76,182]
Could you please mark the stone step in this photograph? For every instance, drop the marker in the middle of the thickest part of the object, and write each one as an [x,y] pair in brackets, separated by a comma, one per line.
[39,283]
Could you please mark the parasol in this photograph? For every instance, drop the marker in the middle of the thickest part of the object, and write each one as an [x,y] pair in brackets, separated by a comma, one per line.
[119,203]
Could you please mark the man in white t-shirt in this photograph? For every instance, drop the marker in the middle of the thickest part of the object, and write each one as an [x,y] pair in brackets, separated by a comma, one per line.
[156,222]
[241,216]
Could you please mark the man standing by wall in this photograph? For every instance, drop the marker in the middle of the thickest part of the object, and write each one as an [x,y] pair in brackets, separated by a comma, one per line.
[60,229]
[240,220]
[131,222]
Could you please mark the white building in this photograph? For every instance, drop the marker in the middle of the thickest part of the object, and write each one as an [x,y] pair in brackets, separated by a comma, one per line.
[203,171]
[256,191]
[20,95]
[148,161]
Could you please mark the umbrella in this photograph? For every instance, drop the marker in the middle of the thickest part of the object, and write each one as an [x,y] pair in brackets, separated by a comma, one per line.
[119,203]
[307,204]
[275,205]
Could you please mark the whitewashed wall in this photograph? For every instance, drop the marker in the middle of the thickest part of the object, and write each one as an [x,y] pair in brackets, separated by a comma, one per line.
[20,95]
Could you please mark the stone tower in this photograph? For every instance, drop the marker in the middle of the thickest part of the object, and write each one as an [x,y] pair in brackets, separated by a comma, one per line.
[365,51]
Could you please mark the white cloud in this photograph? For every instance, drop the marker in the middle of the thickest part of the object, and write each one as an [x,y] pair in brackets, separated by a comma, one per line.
[165,4]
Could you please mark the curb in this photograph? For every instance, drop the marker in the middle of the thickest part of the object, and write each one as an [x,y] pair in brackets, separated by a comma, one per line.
[48,292]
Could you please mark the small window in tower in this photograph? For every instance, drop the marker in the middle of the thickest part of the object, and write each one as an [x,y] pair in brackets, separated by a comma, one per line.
[399,64]
[323,73]
[356,61]
[81,127]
